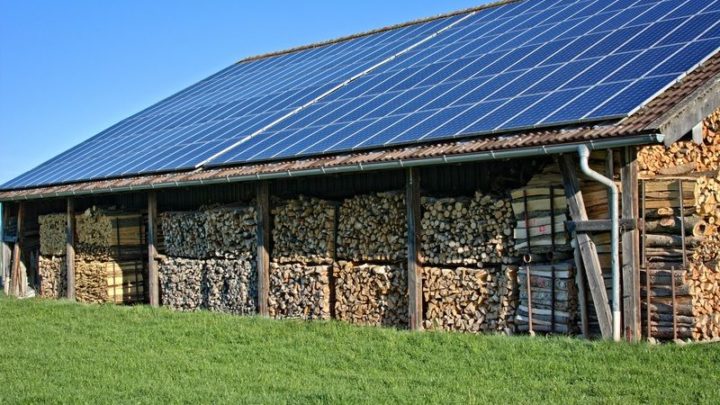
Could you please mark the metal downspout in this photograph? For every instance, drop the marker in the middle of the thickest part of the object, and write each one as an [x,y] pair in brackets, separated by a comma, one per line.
[584,153]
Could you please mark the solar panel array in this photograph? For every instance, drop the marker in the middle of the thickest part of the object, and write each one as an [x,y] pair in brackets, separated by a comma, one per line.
[521,65]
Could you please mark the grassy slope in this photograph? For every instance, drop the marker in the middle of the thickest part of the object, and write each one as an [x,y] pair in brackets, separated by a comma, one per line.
[52,351]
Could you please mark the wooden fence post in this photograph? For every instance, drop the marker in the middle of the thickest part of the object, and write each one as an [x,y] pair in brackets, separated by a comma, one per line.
[263,251]
[70,249]
[15,278]
[153,278]
[5,251]
[412,202]
[630,247]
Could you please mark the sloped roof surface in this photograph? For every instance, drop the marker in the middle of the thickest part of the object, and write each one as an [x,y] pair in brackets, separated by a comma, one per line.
[506,68]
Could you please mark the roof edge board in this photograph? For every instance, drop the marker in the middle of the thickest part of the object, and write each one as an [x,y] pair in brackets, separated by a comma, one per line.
[340,86]
[569,147]
[688,113]
[376,31]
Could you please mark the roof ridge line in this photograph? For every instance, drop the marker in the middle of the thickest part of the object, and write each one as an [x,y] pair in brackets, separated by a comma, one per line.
[334,89]
[375,31]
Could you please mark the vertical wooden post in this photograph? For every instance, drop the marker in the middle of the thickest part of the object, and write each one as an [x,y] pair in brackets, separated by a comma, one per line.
[630,247]
[70,249]
[153,278]
[588,251]
[263,250]
[412,202]
[5,251]
[15,278]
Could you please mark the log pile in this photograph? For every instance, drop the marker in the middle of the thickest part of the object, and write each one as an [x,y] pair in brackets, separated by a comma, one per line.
[373,227]
[467,231]
[91,284]
[53,277]
[210,260]
[684,156]
[53,234]
[372,294]
[110,233]
[304,231]
[299,291]
[552,298]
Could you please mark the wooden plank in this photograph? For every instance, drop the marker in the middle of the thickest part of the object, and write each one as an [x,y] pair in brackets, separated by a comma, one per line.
[412,202]
[153,275]
[588,252]
[70,249]
[5,251]
[263,251]
[630,244]
[15,278]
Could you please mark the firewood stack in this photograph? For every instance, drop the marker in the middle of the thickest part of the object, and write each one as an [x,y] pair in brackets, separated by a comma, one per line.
[372,294]
[302,258]
[51,261]
[110,263]
[467,231]
[53,276]
[684,156]
[456,299]
[373,228]
[210,260]
[540,210]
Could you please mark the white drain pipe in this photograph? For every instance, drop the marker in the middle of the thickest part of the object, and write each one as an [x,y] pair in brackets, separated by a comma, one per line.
[584,153]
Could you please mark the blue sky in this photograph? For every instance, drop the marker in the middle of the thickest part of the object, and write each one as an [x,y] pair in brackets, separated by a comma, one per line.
[69,69]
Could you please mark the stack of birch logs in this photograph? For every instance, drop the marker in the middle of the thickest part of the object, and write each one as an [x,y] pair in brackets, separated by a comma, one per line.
[540,210]
[110,262]
[371,280]
[303,254]
[51,261]
[210,260]
[684,156]
[467,248]
[681,197]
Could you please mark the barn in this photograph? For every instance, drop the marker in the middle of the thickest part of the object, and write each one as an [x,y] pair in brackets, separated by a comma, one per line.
[529,166]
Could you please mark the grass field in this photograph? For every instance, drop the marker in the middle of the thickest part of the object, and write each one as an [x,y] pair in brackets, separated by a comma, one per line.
[65,352]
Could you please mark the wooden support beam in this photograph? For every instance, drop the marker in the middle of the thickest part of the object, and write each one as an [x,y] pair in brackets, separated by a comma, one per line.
[5,251]
[588,251]
[263,247]
[630,247]
[412,202]
[70,249]
[153,276]
[15,276]
[582,294]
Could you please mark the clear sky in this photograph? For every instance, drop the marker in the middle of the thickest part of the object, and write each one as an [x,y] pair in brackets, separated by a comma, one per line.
[69,69]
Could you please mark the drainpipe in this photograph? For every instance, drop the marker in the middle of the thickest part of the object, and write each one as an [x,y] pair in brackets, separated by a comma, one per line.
[584,153]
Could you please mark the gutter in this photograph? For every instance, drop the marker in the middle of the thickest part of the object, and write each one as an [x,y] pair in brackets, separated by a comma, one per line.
[360,167]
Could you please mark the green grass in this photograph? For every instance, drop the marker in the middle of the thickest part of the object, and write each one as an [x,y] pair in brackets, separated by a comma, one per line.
[54,351]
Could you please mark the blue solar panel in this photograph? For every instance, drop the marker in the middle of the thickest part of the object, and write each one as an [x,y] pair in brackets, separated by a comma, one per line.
[520,65]
[597,50]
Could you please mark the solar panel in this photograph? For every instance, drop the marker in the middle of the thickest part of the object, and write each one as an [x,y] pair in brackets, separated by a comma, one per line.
[521,65]
[212,115]
[531,64]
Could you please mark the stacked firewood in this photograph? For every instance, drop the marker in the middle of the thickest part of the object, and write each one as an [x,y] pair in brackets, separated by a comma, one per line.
[91,284]
[53,235]
[110,233]
[373,227]
[372,294]
[210,260]
[53,277]
[549,296]
[299,291]
[304,231]
[467,231]
[684,156]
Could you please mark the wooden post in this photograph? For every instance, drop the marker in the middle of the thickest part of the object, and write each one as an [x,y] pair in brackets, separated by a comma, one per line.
[153,277]
[70,249]
[412,202]
[588,251]
[630,247]
[263,251]
[5,251]
[15,278]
